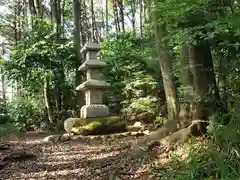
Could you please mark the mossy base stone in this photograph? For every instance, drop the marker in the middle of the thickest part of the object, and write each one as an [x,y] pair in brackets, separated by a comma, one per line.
[104,125]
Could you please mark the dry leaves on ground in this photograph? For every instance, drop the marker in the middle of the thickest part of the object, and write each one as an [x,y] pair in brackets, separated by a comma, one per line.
[79,159]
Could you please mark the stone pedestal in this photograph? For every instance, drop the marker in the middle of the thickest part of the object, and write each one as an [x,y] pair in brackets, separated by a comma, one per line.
[93,86]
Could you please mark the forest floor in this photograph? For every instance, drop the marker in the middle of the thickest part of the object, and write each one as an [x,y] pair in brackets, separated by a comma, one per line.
[75,159]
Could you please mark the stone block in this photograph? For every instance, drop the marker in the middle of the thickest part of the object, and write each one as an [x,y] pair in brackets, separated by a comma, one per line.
[93,97]
[94,110]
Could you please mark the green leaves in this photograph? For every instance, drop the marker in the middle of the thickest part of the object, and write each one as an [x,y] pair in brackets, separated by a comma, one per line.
[37,53]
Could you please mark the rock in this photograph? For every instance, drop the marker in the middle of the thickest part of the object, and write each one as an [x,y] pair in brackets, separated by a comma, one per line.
[146,132]
[76,137]
[137,133]
[71,122]
[98,126]
[52,138]
[138,125]
[134,133]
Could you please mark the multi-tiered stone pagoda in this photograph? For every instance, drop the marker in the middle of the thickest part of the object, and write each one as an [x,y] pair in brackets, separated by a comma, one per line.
[94,85]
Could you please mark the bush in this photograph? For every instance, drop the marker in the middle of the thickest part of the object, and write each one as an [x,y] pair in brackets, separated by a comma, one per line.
[26,112]
[4,118]
[133,74]
[7,130]
[143,109]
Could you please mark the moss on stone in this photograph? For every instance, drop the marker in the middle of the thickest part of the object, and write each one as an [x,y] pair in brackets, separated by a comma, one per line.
[104,125]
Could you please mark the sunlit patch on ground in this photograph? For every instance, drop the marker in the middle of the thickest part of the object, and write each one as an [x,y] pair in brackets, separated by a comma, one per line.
[71,160]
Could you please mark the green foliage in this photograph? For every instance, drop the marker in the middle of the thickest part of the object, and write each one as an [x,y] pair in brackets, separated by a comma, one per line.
[38,55]
[159,121]
[125,55]
[7,129]
[133,73]
[4,118]
[216,158]
[26,112]
[143,108]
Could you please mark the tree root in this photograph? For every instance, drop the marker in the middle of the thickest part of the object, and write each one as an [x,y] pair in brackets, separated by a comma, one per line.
[167,137]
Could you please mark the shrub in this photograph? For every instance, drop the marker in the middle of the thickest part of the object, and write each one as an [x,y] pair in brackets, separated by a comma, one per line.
[7,130]
[143,108]
[4,118]
[26,112]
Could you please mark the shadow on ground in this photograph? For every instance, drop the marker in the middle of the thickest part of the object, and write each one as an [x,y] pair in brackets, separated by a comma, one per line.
[87,160]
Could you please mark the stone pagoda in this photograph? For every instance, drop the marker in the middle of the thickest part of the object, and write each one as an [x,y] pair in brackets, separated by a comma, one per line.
[94,85]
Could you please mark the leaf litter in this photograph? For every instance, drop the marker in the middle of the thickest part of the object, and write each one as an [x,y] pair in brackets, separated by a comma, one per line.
[75,159]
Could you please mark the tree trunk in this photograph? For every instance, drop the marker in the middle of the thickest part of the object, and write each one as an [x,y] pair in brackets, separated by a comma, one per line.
[222,78]
[3,87]
[116,19]
[187,81]
[141,18]
[106,18]
[206,93]
[47,100]
[121,7]
[133,18]
[77,41]
[165,61]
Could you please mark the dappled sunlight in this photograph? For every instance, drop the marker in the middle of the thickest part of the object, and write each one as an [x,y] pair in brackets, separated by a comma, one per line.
[87,160]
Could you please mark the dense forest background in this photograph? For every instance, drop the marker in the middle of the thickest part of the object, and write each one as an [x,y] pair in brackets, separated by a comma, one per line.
[188,51]
[168,62]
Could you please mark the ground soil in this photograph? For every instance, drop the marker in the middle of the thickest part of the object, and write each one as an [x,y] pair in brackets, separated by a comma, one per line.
[76,159]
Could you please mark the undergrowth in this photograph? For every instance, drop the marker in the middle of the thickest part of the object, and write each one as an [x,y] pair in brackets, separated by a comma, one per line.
[215,157]
[6,130]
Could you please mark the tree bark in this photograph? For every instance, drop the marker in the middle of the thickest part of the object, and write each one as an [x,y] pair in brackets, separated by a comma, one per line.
[187,81]
[47,100]
[141,18]
[116,18]
[121,7]
[206,93]
[165,61]
[77,41]
[106,18]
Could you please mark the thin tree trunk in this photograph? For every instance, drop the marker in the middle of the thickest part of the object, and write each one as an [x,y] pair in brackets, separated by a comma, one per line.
[121,7]
[92,22]
[165,61]
[141,18]
[3,87]
[3,80]
[116,18]
[106,18]
[47,100]
[133,18]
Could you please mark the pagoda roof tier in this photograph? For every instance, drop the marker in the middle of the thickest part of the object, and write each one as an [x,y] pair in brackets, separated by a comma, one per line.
[92,63]
[93,84]
[90,47]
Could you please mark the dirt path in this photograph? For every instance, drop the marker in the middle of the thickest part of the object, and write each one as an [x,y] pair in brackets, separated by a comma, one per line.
[72,160]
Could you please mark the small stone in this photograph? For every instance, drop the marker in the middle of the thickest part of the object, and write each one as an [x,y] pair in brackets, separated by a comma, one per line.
[138,124]
[134,133]
[146,132]
[75,137]
[52,138]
